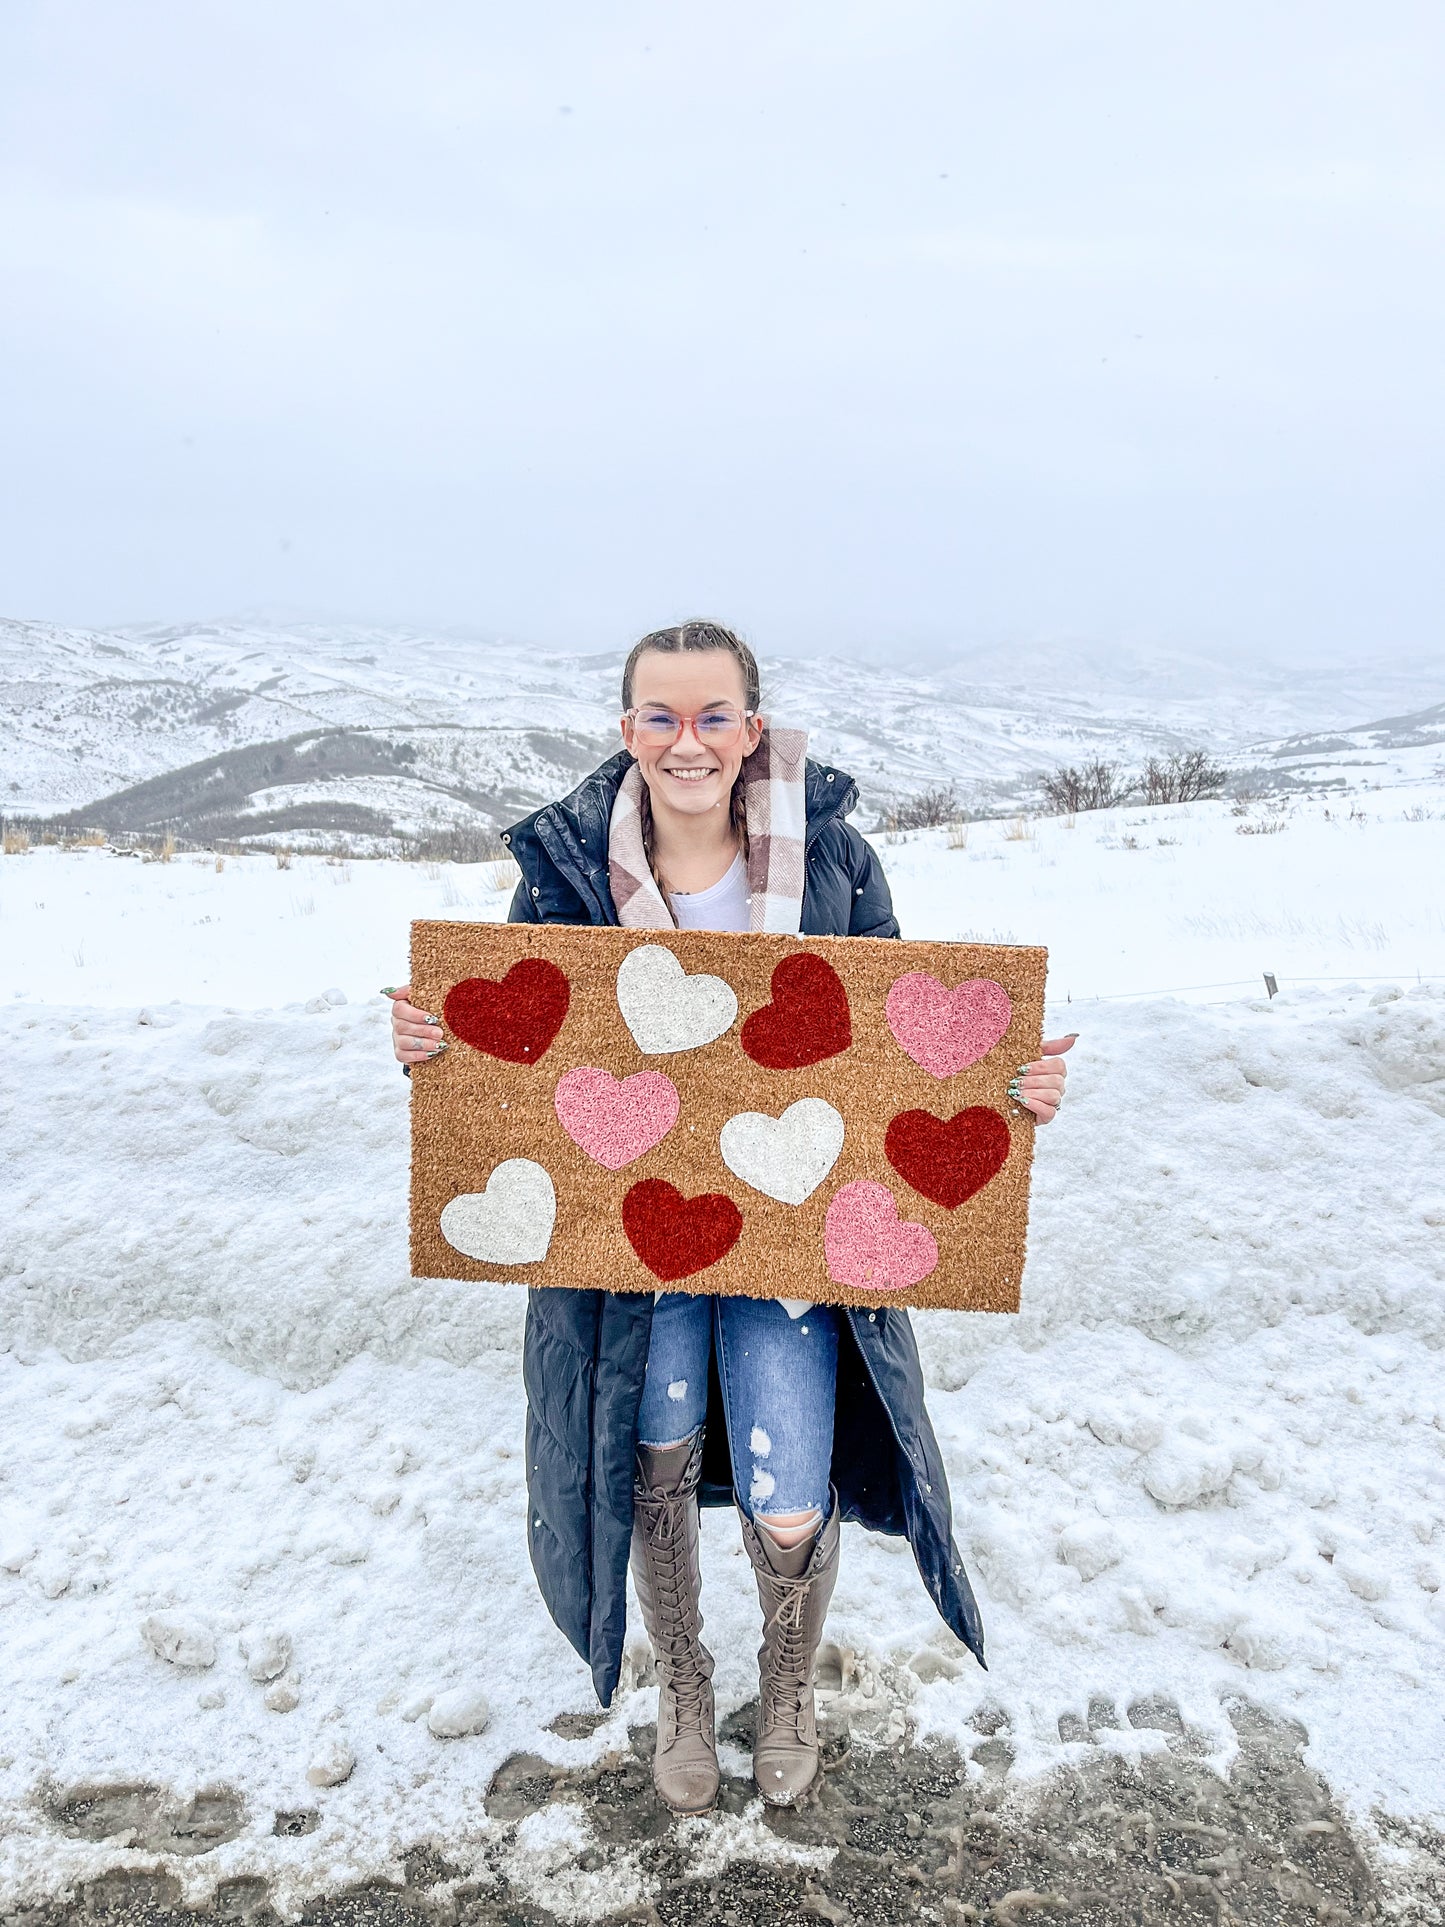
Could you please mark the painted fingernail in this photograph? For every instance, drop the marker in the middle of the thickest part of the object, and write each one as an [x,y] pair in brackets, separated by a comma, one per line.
[439,1049]
[388,990]
[433,1020]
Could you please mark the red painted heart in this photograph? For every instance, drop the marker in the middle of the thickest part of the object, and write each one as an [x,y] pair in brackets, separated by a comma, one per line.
[516,1018]
[675,1236]
[807,1020]
[948,1159]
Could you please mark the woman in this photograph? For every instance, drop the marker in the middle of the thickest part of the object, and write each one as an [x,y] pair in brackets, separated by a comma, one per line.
[641,1407]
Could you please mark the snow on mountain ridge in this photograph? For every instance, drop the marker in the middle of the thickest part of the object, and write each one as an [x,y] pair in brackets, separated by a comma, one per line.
[89,714]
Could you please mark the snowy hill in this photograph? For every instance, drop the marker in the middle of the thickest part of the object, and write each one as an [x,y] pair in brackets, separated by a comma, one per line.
[88,716]
[310,732]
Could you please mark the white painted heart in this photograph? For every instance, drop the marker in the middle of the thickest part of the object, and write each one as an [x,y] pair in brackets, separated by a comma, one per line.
[784,1157]
[664,1008]
[510,1223]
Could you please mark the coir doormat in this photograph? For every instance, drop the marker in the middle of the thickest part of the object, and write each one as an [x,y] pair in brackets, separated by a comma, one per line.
[798,1117]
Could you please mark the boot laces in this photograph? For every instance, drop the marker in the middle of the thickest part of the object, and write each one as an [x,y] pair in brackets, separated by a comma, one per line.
[677,1635]
[788,1658]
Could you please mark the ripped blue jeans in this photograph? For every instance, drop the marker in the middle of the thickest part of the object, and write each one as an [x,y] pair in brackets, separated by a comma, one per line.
[778,1377]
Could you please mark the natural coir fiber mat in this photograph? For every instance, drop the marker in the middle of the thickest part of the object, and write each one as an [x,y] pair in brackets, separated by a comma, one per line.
[780,1117]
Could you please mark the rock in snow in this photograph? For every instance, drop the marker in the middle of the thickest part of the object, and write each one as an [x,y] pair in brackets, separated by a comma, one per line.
[181,1640]
[283,1697]
[332,1763]
[267,1652]
[452,1716]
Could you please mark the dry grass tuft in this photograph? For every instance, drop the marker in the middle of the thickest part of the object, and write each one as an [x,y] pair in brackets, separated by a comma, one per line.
[501,876]
[283,859]
[220,864]
[15,842]
[958,836]
[1019,830]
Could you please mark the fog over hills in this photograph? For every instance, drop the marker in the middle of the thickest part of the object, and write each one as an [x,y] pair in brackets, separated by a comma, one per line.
[272,728]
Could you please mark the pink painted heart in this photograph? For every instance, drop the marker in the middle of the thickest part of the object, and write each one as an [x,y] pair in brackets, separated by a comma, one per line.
[947,1030]
[614,1121]
[867,1245]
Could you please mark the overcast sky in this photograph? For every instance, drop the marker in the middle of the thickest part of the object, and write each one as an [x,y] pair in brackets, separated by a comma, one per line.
[915,323]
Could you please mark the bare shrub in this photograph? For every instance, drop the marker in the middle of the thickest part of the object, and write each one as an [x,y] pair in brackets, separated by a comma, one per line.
[1184,776]
[928,810]
[454,843]
[1091,786]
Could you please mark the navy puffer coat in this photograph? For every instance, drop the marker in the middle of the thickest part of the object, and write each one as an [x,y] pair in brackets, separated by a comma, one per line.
[584,1351]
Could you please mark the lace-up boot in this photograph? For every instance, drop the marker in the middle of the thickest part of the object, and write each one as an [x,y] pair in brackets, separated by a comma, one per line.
[665,1569]
[794,1585]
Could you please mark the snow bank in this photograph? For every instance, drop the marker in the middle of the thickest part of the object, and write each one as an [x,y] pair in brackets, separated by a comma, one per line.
[261,1493]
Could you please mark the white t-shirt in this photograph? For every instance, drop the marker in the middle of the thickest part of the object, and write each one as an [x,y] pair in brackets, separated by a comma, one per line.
[724,905]
[721,906]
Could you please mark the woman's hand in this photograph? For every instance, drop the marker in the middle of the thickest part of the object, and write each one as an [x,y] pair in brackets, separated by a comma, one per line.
[1039,1087]
[415,1034]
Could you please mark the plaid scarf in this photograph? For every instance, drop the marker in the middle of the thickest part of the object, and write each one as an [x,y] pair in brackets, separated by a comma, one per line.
[775,811]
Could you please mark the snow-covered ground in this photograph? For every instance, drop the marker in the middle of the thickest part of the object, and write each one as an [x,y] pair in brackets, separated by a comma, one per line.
[1205,895]
[1207,1459]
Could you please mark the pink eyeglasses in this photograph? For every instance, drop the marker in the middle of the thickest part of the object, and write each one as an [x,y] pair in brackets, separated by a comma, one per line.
[716,727]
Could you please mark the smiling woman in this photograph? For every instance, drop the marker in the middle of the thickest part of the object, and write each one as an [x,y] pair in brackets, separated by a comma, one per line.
[642,1408]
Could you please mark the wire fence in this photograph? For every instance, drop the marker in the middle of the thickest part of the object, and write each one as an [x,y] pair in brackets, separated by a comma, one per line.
[1244,983]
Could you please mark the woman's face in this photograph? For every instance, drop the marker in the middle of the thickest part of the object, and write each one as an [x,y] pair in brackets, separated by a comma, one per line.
[690,778]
